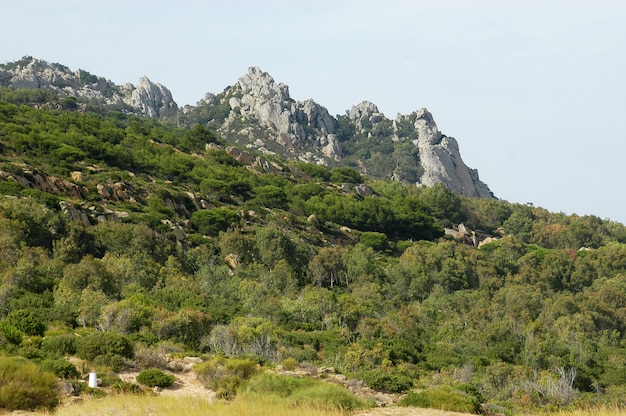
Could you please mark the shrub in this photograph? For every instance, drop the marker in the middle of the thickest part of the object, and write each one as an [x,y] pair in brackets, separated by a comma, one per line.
[126,387]
[442,398]
[25,321]
[23,386]
[289,364]
[225,375]
[107,379]
[150,357]
[155,378]
[375,240]
[104,344]
[306,392]
[10,334]
[60,367]
[113,362]
[60,345]
[389,381]
[212,221]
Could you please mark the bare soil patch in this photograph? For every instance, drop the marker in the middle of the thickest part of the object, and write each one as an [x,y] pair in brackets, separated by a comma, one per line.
[409,411]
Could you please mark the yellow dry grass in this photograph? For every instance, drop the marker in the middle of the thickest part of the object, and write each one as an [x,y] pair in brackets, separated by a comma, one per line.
[596,411]
[146,405]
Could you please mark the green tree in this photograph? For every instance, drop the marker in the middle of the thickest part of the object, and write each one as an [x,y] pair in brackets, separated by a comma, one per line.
[212,221]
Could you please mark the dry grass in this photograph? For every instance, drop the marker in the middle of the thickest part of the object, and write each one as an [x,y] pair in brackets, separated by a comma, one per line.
[597,411]
[146,405]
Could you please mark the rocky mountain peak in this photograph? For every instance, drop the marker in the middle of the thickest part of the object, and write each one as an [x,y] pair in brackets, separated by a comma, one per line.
[152,100]
[258,113]
[149,99]
[262,86]
[441,160]
[365,111]
[303,129]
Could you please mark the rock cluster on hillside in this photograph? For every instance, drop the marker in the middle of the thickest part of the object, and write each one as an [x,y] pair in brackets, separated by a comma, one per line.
[306,131]
[302,128]
[147,98]
[261,115]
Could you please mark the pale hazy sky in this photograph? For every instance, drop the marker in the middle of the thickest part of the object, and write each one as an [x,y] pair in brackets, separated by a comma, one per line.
[534,91]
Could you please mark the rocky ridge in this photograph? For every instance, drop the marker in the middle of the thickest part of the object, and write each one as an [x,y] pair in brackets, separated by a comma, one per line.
[258,113]
[415,150]
[305,130]
[147,98]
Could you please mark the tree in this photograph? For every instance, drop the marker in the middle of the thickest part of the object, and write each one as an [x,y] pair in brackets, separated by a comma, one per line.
[212,221]
[196,139]
[327,267]
[271,196]
[274,245]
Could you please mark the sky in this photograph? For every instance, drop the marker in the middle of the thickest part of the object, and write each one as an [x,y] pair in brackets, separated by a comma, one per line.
[534,91]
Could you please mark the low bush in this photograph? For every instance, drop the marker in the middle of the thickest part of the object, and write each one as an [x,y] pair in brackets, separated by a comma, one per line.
[126,387]
[27,322]
[10,334]
[225,375]
[389,381]
[24,386]
[155,378]
[64,344]
[60,368]
[112,362]
[108,379]
[150,357]
[289,364]
[104,344]
[305,392]
[443,398]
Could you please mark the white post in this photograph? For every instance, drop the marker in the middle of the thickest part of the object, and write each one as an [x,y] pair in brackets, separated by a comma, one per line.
[93,380]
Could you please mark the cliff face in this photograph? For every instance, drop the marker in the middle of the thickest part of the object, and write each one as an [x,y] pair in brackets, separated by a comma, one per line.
[147,98]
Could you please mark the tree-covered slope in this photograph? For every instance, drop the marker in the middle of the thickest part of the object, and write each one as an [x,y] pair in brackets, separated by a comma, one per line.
[121,225]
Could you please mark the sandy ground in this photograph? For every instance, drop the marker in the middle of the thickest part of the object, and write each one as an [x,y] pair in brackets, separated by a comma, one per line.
[186,384]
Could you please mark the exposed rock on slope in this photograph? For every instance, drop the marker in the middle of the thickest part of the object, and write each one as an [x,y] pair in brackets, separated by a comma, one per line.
[261,115]
[148,99]
[258,113]
[442,161]
[303,129]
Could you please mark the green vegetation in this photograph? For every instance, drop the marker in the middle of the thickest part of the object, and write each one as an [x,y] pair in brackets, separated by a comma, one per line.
[299,392]
[23,386]
[155,378]
[122,234]
[226,375]
[443,398]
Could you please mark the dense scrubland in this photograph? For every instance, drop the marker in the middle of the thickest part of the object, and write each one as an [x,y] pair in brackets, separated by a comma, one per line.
[123,236]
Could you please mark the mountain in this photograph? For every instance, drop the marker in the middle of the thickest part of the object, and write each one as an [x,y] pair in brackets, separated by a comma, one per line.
[257,112]
[128,240]
[147,98]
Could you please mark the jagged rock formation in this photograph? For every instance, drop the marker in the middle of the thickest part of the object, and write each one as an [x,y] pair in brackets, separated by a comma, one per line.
[147,98]
[302,129]
[441,160]
[261,115]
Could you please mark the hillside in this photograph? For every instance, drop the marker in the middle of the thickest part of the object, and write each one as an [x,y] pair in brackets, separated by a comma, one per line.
[126,237]
[258,113]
